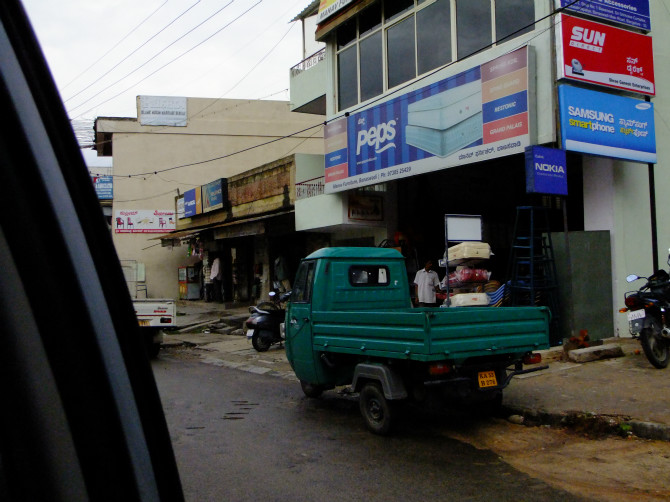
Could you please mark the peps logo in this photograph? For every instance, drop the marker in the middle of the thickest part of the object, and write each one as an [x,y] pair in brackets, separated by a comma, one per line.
[376,136]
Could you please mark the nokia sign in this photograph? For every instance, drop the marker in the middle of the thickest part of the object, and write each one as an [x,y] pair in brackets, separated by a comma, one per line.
[546,171]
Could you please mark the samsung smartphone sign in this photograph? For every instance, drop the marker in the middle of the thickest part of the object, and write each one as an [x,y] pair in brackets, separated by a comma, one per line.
[600,54]
[606,124]
[479,114]
[546,171]
[634,13]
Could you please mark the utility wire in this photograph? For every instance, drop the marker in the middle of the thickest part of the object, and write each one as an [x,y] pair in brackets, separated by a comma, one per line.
[367,104]
[158,54]
[116,45]
[133,52]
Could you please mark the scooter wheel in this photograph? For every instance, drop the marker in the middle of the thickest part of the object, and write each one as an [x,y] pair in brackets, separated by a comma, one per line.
[259,343]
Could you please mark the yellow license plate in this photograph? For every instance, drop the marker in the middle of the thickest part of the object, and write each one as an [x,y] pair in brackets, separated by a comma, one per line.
[487,379]
[144,322]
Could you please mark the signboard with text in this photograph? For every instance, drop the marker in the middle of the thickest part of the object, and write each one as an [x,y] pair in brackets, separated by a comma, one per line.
[476,115]
[162,111]
[634,13]
[600,54]
[104,187]
[192,202]
[606,124]
[144,221]
[546,171]
[213,196]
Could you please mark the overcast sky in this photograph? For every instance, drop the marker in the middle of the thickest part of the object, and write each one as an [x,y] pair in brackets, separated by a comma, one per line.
[104,53]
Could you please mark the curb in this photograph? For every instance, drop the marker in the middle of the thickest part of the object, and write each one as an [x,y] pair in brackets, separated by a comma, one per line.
[590,424]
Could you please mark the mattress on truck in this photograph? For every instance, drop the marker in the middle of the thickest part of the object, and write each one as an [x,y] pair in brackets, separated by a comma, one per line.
[472,249]
[469,300]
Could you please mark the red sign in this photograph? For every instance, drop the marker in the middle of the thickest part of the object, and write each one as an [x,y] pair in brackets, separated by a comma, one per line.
[601,54]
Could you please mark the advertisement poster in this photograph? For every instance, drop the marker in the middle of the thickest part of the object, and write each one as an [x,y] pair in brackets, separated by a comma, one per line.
[604,55]
[212,196]
[104,187]
[480,114]
[634,13]
[546,171]
[192,202]
[144,221]
[606,124]
[162,111]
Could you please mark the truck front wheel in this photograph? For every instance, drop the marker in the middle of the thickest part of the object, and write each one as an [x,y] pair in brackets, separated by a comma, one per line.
[376,410]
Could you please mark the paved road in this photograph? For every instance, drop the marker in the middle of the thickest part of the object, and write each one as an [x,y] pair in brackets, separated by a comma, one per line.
[240,436]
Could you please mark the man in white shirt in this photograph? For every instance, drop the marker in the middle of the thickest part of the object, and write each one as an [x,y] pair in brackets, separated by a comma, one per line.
[426,283]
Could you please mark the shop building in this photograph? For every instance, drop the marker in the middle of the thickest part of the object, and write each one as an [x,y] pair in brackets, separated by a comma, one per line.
[431,107]
[198,179]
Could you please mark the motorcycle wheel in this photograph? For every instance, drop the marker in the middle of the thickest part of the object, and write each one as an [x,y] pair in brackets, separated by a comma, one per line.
[655,346]
[260,344]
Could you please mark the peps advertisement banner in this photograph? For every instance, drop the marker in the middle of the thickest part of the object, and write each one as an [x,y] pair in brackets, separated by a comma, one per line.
[634,13]
[479,114]
[546,171]
[605,124]
[600,54]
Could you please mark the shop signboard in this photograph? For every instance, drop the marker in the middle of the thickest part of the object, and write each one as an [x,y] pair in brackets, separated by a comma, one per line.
[604,124]
[634,13]
[213,195]
[162,111]
[546,171]
[604,55]
[329,7]
[192,202]
[476,115]
[104,187]
[144,221]
[368,207]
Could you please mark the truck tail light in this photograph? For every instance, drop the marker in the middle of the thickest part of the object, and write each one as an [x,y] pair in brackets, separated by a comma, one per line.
[532,358]
[439,369]
[166,320]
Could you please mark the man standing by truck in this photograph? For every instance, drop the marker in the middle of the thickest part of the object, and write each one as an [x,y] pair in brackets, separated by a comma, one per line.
[426,283]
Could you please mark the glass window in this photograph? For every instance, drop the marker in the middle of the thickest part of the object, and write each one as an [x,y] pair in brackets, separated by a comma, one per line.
[433,36]
[346,33]
[372,71]
[394,8]
[400,56]
[302,287]
[347,78]
[370,19]
[473,26]
[513,15]
[369,275]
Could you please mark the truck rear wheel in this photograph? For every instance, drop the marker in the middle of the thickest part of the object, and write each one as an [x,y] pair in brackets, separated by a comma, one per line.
[376,410]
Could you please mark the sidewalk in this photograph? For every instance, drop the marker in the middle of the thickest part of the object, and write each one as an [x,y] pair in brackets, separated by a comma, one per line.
[618,394]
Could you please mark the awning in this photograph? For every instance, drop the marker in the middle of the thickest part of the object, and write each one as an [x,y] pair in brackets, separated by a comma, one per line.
[236,228]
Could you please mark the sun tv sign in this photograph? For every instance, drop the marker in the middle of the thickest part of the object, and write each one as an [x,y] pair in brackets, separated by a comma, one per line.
[604,55]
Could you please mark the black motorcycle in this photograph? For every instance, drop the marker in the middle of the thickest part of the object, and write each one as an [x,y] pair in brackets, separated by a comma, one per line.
[648,316]
[265,325]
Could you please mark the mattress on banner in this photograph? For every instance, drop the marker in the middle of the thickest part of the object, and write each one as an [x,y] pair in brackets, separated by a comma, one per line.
[471,249]
[447,108]
[445,142]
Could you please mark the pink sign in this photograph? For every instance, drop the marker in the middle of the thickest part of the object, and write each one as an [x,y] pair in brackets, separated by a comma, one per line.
[604,55]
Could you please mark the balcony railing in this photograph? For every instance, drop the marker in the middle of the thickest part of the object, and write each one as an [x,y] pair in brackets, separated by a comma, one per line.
[309,62]
[309,188]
